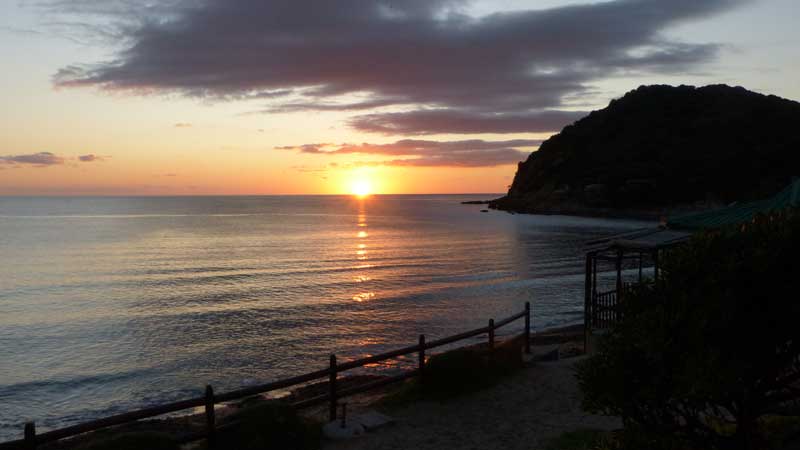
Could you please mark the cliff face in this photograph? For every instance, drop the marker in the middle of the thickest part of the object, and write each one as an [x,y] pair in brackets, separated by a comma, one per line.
[661,147]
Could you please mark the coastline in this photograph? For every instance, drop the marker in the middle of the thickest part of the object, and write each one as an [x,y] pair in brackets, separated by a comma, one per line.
[514,206]
[544,343]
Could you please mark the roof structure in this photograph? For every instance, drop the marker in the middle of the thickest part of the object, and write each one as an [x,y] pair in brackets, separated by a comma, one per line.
[738,212]
[680,228]
[645,240]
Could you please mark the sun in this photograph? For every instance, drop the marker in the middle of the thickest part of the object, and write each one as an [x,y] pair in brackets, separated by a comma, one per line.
[361,188]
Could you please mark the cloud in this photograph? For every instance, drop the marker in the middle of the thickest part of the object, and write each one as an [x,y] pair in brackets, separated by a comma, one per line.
[41,159]
[423,153]
[460,122]
[90,158]
[355,55]
[183,125]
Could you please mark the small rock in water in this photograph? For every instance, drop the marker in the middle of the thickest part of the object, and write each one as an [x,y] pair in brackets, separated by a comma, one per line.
[484,210]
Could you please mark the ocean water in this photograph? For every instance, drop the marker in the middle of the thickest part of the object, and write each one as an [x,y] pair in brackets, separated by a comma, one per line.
[111,304]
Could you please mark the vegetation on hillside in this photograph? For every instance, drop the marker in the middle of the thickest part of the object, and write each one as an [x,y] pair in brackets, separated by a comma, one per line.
[661,146]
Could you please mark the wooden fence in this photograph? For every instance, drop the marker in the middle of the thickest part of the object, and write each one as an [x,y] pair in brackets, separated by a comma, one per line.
[31,439]
[604,310]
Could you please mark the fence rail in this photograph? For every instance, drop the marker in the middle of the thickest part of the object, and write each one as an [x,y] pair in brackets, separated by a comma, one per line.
[605,310]
[31,439]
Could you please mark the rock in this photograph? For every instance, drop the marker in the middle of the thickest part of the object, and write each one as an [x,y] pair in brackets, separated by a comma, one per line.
[372,420]
[335,431]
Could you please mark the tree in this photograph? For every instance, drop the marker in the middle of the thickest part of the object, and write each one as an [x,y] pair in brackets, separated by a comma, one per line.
[711,349]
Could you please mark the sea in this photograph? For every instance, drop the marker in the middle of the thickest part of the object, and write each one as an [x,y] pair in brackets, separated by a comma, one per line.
[109,304]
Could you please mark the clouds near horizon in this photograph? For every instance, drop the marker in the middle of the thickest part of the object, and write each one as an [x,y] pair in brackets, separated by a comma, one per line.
[425,153]
[41,159]
[447,71]
[90,158]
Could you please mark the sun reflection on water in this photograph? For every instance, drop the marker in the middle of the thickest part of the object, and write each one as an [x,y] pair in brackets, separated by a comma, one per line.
[361,256]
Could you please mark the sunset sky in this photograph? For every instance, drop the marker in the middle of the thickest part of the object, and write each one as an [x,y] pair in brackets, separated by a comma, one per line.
[183,97]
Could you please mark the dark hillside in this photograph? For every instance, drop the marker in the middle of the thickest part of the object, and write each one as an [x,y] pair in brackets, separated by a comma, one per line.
[661,147]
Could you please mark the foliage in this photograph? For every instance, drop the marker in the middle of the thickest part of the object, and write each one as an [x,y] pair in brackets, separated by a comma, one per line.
[627,154]
[267,425]
[460,371]
[712,348]
[470,369]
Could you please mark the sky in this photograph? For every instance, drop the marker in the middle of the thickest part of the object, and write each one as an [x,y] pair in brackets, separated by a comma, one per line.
[251,97]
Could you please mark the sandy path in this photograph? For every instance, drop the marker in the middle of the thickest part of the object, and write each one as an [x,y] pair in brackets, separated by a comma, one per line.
[522,412]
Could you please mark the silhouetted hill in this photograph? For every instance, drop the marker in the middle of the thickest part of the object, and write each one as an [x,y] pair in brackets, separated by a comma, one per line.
[661,147]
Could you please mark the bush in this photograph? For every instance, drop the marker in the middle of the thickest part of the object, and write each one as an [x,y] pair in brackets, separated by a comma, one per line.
[705,354]
[458,372]
[268,425]
[133,441]
[584,439]
[470,369]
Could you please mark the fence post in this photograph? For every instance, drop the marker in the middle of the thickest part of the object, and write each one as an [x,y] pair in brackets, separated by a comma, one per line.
[491,334]
[618,262]
[332,388]
[528,328]
[210,417]
[30,436]
[421,357]
[587,303]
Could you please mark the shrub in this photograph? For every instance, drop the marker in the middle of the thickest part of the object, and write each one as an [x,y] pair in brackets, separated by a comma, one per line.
[133,441]
[712,348]
[469,369]
[268,425]
[583,439]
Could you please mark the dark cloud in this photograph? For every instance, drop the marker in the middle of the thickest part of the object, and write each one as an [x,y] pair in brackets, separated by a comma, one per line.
[41,159]
[319,55]
[90,158]
[460,122]
[422,153]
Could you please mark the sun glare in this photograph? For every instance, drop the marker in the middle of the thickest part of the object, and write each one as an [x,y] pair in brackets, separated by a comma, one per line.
[361,188]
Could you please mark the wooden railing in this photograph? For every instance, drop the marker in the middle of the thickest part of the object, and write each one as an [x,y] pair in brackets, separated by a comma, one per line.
[31,439]
[604,310]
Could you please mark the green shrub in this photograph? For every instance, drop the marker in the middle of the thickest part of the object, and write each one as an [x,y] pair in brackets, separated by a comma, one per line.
[712,348]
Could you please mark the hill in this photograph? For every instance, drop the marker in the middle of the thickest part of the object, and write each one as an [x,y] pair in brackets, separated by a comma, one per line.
[661,148]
